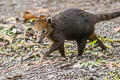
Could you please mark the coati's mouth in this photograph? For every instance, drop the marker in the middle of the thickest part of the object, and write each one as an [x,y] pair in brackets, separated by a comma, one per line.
[41,38]
[43,34]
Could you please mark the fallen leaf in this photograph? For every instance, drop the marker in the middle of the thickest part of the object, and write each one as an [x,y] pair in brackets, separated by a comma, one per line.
[109,64]
[6,37]
[112,64]
[40,10]
[16,77]
[117,29]
[100,54]
[2,44]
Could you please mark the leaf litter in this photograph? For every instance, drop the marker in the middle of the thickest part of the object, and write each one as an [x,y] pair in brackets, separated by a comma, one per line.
[19,54]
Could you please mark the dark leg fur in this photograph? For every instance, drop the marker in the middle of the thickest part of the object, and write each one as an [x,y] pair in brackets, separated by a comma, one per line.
[57,45]
[101,44]
[94,37]
[81,45]
[62,51]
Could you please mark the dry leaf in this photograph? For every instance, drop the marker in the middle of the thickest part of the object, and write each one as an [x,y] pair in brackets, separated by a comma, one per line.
[117,29]
[100,54]
[28,15]
[40,10]
[16,77]
[6,37]
[112,64]
[2,44]
[109,64]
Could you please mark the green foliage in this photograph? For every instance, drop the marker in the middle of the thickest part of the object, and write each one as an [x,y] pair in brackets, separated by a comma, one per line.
[14,30]
[9,32]
[90,64]
[93,42]
[116,76]
[71,51]
[31,20]
[109,40]
[101,61]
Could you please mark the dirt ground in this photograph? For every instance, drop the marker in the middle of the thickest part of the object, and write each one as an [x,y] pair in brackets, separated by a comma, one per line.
[15,51]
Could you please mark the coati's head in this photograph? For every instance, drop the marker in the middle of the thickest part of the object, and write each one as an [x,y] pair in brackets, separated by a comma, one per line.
[43,25]
[28,15]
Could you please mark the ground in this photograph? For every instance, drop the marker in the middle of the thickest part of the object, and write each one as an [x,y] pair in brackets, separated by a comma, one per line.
[17,55]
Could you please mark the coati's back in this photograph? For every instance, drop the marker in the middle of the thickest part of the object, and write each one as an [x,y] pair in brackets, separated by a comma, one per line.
[74,23]
[79,22]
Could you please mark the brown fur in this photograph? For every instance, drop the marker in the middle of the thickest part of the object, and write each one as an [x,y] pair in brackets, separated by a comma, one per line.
[41,24]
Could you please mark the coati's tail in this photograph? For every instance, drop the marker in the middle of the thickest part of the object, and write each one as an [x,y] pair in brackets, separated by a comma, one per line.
[107,16]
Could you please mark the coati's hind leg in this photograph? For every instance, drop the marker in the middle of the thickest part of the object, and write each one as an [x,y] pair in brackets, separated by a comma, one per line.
[81,45]
[62,51]
[94,37]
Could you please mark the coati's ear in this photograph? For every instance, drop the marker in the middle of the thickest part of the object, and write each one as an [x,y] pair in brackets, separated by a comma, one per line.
[27,12]
[42,17]
[49,20]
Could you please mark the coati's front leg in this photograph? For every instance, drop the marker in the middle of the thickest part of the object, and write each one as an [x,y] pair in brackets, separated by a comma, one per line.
[62,51]
[81,45]
[94,37]
[58,44]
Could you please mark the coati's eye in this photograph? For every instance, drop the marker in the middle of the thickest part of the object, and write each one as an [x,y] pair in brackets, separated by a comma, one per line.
[44,31]
[37,20]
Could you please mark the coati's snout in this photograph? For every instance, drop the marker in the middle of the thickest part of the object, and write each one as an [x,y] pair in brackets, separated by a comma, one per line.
[42,25]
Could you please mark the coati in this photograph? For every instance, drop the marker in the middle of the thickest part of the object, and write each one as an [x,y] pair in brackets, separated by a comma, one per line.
[71,24]
[33,14]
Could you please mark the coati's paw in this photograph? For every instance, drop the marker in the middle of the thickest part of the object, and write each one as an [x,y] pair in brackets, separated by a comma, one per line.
[104,47]
[46,54]
[79,57]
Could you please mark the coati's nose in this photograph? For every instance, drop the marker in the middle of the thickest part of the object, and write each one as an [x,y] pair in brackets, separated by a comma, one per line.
[42,34]
[33,23]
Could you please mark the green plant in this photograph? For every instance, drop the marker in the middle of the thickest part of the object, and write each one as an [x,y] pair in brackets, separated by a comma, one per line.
[93,43]
[116,75]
